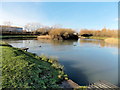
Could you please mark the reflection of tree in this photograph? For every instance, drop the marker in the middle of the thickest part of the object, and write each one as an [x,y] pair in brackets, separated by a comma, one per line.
[101,43]
[58,42]
[65,42]
[82,41]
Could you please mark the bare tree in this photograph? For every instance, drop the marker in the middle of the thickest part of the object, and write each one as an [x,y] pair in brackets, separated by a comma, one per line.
[32,26]
[56,26]
[7,23]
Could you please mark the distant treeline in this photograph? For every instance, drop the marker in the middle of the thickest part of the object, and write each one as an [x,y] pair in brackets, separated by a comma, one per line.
[100,33]
[57,33]
[53,32]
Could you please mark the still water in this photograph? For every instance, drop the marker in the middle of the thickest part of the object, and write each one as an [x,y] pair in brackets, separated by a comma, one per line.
[85,60]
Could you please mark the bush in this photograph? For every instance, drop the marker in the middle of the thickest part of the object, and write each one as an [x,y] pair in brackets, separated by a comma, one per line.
[61,34]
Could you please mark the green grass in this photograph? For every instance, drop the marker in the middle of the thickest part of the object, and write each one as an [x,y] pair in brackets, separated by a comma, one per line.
[25,70]
[17,36]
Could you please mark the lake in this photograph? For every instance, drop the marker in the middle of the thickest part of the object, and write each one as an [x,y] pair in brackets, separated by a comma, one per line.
[85,60]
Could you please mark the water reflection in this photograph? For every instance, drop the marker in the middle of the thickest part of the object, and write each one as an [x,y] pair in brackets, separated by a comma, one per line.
[58,42]
[101,43]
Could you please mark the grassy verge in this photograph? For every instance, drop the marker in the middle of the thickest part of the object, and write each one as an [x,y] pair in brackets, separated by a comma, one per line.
[17,36]
[92,37]
[101,38]
[22,69]
[112,40]
[106,39]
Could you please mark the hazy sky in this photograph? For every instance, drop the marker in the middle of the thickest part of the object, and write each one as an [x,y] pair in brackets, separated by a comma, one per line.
[76,15]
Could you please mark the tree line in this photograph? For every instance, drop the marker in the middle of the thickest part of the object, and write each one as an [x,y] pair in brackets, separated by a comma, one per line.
[100,33]
[57,31]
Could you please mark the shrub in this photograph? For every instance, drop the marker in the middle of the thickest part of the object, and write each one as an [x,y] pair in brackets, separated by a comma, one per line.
[60,34]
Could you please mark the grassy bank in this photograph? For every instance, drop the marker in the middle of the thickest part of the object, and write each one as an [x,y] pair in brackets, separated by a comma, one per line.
[93,37]
[106,39]
[100,38]
[112,40]
[17,36]
[22,69]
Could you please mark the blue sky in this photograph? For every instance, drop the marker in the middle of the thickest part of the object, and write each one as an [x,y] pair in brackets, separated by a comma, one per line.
[76,15]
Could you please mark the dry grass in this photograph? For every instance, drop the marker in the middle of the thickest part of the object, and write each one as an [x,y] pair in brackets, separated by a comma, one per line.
[112,40]
[44,37]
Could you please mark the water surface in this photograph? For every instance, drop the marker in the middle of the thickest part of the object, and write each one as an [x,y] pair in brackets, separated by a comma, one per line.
[85,60]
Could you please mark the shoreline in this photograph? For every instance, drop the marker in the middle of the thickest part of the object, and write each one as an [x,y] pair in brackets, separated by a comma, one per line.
[60,76]
[109,40]
[17,36]
[112,40]
[92,37]
[64,82]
